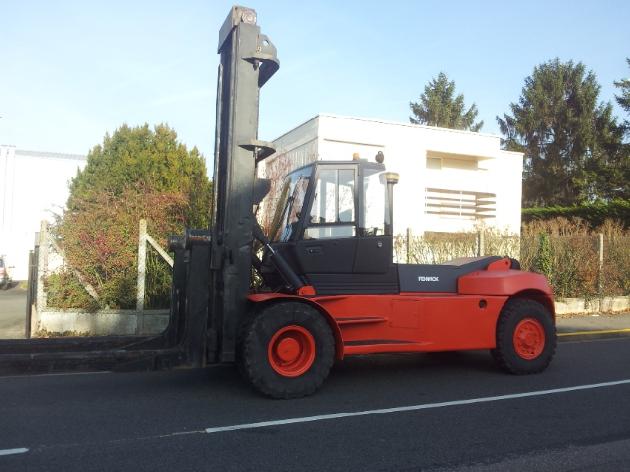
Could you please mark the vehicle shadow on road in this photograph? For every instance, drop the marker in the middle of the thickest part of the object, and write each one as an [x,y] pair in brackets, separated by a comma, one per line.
[377,376]
[416,363]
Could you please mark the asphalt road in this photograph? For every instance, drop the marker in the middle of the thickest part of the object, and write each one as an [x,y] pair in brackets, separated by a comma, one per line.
[12,313]
[158,421]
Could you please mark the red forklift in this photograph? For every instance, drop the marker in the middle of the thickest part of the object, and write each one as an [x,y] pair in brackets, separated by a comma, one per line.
[327,287]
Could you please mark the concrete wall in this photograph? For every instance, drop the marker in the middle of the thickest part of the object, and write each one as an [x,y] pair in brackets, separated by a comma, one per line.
[33,187]
[582,305]
[102,323]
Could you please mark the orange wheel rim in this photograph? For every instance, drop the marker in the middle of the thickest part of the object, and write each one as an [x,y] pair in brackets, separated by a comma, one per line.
[291,351]
[529,338]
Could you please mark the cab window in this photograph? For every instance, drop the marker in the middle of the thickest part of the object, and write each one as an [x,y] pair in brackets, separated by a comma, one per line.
[372,221]
[333,212]
[289,208]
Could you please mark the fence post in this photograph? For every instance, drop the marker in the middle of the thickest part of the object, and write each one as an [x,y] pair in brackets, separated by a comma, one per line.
[600,268]
[408,243]
[29,294]
[481,243]
[42,265]
[41,247]
[142,266]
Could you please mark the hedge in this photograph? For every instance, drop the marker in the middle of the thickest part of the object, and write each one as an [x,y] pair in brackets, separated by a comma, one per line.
[565,251]
[594,213]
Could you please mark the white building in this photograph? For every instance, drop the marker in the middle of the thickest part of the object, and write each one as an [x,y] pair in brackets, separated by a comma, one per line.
[450,180]
[33,187]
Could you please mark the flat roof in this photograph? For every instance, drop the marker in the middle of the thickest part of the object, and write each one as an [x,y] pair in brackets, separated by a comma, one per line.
[50,155]
[389,122]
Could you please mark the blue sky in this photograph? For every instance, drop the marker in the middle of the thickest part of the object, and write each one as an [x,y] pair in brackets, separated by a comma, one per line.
[72,70]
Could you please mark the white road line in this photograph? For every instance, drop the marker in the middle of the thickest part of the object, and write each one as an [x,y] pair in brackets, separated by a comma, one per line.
[8,452]
[424,406]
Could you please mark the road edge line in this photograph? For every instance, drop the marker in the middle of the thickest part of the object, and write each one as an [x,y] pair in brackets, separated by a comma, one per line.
[423,406]
[592,332]
[17,450]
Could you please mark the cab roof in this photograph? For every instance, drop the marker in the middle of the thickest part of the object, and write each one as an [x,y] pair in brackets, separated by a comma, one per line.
[364,163]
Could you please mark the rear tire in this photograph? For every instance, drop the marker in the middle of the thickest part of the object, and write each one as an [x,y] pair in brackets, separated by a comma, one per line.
[526,337]
[286,350]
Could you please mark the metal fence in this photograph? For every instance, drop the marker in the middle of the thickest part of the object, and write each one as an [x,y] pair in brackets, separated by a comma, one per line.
[577,265]
[47,258]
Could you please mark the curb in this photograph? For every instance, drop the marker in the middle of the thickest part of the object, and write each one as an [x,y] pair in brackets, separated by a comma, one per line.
[593,334]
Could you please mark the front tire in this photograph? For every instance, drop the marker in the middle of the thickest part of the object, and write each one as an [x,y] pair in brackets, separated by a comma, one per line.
[286,350]
[526,337]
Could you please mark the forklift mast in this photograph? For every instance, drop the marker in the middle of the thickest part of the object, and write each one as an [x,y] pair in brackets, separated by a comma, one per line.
[248,60]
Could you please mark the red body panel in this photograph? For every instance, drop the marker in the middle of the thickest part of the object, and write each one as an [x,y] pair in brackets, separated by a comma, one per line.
[502,282]
[423,322]
[413,322]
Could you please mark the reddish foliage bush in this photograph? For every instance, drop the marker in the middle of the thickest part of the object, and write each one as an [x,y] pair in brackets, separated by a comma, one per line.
[102,238]
[137,173]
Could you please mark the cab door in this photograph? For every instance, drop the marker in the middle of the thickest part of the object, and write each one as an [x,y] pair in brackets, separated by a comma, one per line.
[329,243]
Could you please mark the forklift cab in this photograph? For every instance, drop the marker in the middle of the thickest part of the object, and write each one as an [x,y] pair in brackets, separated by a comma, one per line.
[333,227]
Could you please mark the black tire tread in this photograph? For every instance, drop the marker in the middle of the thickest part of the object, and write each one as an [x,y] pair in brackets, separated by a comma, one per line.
[503,353]
[252,358]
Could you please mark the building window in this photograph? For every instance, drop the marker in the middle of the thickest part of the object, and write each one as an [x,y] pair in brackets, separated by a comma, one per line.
[460,204]
[434,163]
[459,162]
